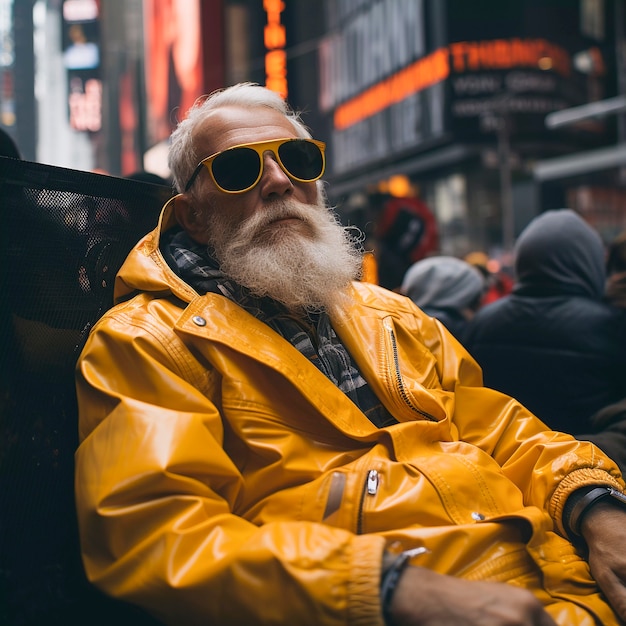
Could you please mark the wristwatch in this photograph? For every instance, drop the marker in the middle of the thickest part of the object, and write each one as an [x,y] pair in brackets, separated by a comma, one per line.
[592,497]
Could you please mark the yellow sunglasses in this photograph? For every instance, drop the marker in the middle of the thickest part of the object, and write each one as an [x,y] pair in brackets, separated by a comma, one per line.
[240,168]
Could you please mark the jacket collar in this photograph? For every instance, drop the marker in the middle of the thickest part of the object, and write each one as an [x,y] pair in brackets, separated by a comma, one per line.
[145,269]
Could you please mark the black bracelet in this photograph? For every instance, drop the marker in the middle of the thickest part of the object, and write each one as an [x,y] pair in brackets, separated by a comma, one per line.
[588,500]
[390,582]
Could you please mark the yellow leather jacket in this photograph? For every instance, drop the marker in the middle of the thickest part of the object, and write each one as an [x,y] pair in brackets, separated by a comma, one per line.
[222,479]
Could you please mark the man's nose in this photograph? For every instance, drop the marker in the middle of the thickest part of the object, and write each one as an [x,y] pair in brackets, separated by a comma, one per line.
[274,181]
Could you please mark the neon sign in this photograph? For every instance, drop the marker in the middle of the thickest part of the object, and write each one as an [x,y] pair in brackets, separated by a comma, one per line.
[473,56]
[461,58]
[275,41]
[421,74]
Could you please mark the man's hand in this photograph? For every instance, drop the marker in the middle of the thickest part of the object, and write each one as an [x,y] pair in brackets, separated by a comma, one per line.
[425,598]
[604,531]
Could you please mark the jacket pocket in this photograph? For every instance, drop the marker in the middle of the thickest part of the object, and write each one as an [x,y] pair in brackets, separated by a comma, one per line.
[334,498]
[347,495]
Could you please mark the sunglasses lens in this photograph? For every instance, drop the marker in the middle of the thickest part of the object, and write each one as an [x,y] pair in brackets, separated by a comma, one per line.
[302,158]
[236,169]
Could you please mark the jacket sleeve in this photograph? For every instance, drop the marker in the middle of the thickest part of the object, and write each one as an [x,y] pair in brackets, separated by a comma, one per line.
[547,466]
[157,497]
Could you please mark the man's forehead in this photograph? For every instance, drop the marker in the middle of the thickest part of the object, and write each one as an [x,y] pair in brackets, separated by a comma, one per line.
[233,125]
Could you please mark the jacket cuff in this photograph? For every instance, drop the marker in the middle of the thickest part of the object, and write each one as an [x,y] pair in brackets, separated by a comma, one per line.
[364,607]
[585,477]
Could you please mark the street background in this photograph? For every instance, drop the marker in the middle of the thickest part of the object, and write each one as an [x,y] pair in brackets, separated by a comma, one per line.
[445,103]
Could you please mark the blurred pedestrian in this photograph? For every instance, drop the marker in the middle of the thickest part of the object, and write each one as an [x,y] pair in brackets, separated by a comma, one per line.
[608,425]
[608,432]
[405,232]
[616,271]
[8,147]
[446,288]
[499,283]
[553,343]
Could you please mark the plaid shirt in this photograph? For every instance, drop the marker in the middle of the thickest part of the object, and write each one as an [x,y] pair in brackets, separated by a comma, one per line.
[312,334]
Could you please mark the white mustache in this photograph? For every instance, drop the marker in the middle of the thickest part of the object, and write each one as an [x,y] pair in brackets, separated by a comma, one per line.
[278,210]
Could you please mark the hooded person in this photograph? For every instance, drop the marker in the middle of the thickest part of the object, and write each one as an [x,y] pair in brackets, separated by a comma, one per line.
[446,288]
[553,343]
[615,292]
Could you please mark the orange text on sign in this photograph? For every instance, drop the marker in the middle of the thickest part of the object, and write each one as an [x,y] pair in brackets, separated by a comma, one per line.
[275,40]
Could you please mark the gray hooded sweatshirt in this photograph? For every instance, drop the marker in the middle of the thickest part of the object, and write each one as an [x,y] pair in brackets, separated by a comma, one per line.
[445,288]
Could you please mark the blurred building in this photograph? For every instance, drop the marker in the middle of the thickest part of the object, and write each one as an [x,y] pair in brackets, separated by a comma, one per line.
[97,85]
[448,100]
[440,100]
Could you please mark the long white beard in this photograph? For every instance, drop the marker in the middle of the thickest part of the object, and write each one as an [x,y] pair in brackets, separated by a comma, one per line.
[304,266]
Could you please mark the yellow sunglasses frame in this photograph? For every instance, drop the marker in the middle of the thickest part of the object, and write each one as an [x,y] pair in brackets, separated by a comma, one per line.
[260,147]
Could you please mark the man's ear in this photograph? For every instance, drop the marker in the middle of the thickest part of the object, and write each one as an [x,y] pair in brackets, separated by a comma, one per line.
[190,219]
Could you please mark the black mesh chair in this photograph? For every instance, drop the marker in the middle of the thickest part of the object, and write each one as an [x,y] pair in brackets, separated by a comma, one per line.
[64,235]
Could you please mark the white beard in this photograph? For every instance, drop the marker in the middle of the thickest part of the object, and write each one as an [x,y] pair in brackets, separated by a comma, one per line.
[307,265]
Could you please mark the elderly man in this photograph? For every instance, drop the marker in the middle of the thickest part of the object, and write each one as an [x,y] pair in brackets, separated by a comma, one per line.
[266,441]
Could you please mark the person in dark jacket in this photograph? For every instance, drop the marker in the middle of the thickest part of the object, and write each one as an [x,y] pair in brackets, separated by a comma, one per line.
[608,432]
[616,272]
[446,288]
[553,343]
[8,147]
[608,425]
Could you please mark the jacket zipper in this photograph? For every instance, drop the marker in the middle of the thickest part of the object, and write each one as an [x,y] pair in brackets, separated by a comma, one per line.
[372,482]
[397,377]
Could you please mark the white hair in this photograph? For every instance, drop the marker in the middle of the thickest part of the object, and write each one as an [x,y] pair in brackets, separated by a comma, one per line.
[182,157]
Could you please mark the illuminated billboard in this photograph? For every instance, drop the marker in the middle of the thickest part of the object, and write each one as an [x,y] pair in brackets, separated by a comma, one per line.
[401,76]
[81,58]
[173,61]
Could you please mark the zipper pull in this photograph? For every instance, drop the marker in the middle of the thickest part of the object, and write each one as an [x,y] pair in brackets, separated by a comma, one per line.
[373,480]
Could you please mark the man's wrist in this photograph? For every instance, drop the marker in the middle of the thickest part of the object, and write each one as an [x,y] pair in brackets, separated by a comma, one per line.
[392,571]
[582,501]
[393,567]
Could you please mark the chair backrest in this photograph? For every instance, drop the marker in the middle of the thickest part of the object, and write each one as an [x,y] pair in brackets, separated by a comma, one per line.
[64,235]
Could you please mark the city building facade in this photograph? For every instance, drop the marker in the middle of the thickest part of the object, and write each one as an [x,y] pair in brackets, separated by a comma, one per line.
[440,101]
